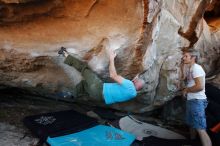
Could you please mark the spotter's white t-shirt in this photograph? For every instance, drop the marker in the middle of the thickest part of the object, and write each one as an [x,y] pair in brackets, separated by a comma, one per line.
[194,72]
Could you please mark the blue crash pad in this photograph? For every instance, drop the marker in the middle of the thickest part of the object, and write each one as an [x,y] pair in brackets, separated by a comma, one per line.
[96,136]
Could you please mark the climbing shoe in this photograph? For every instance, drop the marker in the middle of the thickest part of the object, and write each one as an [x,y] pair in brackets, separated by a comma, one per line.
[61,51]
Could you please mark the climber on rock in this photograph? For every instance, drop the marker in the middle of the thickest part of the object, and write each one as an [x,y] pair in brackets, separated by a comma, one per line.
[92,86]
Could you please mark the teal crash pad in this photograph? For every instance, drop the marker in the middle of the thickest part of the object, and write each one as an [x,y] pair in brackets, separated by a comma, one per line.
[96,136]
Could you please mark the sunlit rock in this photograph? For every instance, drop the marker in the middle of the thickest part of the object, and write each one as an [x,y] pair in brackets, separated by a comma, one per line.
[148,36]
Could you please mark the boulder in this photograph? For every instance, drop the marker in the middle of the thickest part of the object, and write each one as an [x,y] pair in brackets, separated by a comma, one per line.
[148,36]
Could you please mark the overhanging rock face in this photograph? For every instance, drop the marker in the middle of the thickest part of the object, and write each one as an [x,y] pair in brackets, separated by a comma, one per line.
[16,1]
[149,37]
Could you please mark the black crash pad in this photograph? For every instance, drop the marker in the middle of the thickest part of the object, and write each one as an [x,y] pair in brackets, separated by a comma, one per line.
[58,123]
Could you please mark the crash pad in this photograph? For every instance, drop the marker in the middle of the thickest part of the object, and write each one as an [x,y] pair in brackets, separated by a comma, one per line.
[142,129]
[58,123]
[99,135]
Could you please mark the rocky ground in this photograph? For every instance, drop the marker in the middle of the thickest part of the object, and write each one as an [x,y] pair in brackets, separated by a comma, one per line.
[15,104]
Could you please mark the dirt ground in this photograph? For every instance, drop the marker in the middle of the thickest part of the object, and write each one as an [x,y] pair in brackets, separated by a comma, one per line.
[15,105]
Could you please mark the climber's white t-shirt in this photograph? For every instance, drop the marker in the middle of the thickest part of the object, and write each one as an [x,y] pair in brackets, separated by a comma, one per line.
[194,72]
